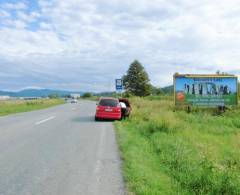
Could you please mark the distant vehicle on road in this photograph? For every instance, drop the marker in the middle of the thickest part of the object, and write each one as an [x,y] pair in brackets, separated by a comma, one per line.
[108,108]
[126,111]
[73,101]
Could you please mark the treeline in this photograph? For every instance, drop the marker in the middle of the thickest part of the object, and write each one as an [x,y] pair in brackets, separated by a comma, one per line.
[136,82]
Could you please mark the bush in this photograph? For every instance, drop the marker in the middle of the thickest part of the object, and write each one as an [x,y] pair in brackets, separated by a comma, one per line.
[87,95]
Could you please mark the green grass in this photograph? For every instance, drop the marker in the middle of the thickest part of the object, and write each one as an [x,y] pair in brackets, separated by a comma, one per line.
[11,107]
[165,151]
[93,98]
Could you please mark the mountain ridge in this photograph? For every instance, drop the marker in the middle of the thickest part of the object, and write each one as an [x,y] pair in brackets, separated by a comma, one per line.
[38,93]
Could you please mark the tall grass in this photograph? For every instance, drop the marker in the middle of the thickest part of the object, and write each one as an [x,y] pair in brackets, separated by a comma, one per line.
[10,107]
[166,151]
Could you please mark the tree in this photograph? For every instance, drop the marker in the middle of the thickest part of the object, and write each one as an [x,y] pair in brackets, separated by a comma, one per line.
[87,95]
[156,91]
[136,81]
[239,90]
[53,96]
[218,72]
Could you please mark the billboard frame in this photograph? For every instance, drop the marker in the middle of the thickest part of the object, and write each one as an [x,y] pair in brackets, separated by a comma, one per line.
[176,75]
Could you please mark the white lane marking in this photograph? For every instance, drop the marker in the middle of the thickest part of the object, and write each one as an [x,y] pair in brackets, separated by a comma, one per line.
[45,120]
[73,108]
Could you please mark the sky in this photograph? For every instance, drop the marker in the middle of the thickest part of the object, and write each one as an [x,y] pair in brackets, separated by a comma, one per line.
[85,45]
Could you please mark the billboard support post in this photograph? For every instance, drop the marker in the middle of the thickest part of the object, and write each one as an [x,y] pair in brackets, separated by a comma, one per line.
[221,108]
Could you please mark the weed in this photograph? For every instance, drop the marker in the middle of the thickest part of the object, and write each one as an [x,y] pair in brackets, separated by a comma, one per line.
[185,153]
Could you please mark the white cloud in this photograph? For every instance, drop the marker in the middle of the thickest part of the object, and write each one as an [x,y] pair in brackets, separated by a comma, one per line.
[33,16]
[78,43]
[4,14]
[13,6]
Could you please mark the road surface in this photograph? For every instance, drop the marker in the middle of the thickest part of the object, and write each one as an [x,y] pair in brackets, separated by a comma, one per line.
[59,151]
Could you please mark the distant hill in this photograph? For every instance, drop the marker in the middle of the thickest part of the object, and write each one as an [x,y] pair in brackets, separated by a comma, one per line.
[7,93]
[168,89]
[62,93]
[38,93]
[106,94]
[165,90]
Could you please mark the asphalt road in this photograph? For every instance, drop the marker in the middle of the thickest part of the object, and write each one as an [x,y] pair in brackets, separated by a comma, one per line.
[59,151]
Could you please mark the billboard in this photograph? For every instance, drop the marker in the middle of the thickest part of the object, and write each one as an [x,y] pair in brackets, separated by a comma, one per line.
[205,90]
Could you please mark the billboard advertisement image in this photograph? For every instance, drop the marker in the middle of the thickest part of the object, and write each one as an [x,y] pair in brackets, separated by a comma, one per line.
[207,90]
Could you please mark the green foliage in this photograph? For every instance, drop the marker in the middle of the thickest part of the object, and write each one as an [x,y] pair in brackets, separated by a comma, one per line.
[53,96]
[127,95]
[10,107]
[175,152]
[156,91]
[239,90]
[87,95]
[137,81]
[168,89]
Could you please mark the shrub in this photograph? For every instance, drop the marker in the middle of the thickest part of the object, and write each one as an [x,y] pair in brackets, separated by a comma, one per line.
[87,95]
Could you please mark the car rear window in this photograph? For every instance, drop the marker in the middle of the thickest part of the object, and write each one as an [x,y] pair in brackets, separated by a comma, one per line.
[108,102]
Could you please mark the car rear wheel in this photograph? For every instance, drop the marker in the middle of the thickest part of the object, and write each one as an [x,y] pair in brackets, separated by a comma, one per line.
[96,118]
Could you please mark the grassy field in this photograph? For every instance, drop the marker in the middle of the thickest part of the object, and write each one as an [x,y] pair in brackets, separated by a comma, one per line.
[165,151]
[10,107]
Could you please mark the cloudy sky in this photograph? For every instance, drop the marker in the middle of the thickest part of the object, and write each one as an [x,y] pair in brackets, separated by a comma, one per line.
[84,45]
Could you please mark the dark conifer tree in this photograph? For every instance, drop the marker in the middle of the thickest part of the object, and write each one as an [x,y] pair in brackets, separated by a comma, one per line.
[136,81]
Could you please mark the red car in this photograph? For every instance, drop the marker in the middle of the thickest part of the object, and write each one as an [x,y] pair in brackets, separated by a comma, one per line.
[108,108]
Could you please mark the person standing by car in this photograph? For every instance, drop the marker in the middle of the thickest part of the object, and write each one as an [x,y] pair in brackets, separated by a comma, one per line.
[123,109]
